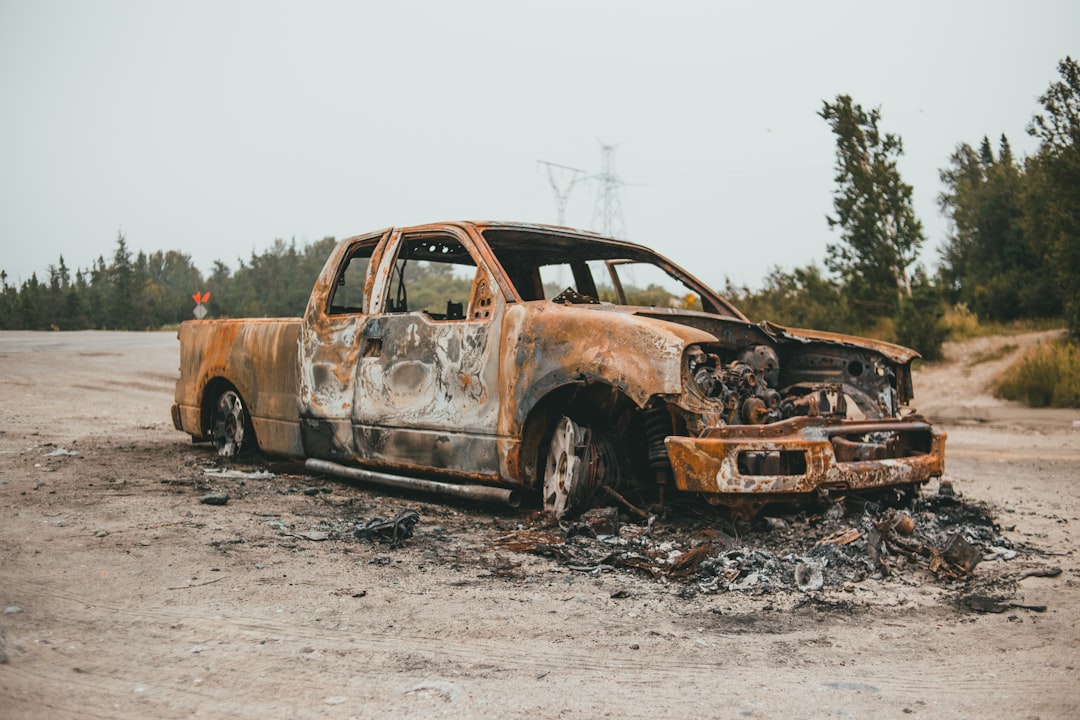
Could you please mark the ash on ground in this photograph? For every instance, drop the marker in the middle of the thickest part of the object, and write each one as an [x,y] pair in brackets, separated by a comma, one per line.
[938,538]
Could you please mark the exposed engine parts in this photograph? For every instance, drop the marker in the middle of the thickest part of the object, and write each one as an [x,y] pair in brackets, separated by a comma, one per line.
[747,388]
[741,386]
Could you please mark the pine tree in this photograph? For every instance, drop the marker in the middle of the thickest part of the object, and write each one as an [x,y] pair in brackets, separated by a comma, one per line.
[1052,201]
[989,262]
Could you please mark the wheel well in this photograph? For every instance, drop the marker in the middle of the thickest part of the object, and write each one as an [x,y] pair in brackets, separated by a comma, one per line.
[596,404]
[211,393]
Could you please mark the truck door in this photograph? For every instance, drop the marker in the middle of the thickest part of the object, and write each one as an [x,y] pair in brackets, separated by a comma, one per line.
[330,346]
[426,392]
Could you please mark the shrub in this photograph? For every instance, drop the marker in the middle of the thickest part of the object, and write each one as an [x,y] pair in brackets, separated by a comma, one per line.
[1047,376]
[961,322]
[919,321]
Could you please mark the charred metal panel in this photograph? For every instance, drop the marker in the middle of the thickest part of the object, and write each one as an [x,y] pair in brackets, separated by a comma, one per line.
[329,351]
[865,375]
[328,439]
[729,333]
[426,375]
[427,391]
[549,346]
[556,345]
[896,353]
[430,451]
[257,357]
[736,460]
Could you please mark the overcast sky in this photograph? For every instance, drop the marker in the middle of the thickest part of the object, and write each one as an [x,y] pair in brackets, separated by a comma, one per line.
[216,127]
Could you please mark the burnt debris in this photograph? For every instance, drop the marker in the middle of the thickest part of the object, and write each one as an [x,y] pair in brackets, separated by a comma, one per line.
[941,539]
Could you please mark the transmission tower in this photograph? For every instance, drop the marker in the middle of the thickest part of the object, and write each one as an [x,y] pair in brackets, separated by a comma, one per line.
[607,216]
[562,194]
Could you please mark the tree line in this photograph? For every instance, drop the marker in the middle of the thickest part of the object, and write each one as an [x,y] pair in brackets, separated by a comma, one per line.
[1012,252]
[149,291]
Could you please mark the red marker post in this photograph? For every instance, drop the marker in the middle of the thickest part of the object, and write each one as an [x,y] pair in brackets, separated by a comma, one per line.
[200,306]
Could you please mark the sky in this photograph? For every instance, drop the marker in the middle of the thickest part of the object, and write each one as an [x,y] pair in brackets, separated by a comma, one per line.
[215,128]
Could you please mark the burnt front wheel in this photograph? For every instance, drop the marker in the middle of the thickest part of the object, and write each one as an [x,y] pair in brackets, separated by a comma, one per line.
[228,423]
[580,464]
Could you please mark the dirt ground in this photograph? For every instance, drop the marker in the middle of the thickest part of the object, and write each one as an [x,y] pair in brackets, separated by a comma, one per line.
[123,596]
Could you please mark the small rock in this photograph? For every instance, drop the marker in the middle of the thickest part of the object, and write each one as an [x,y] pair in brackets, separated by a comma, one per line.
[749,581]
[835,512]
[808,577]
[336,700]
[12,610]
[101,533]
[214,499]
[776,523]
[311,491]
[449,691]
[61,452]
[999,553]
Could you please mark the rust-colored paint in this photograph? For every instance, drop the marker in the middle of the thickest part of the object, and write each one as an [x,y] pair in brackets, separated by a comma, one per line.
[258,358]
[710,464]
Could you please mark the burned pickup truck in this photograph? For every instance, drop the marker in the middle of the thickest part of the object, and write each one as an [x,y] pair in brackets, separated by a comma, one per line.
[508,361]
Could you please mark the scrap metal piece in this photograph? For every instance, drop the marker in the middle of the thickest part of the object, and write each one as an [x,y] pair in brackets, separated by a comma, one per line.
[394,531]
[961,554]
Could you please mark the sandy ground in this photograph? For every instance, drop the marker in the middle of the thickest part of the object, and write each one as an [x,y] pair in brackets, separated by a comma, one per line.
[124,597]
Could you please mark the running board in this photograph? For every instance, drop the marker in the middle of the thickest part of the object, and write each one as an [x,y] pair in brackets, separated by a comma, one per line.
[483,493]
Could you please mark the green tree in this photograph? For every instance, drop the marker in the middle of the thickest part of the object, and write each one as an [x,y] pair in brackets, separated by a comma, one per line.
[989,262]
[9,298]
[803,298]
[919,318]
[121,288]
[171,281]
[1052,200]
[880,235]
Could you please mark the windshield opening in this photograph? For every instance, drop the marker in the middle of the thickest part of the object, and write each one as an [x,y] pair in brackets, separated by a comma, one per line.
[544,265]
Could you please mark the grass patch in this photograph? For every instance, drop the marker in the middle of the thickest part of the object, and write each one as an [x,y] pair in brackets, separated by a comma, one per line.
[1047,376]
[963,324]
[991,355]
[883,328]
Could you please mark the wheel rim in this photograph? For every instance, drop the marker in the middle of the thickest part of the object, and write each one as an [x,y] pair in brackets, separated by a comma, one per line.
[563,473]
[229,424]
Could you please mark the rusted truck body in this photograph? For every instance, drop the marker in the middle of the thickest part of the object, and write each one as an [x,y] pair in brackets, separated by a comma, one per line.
[518,359]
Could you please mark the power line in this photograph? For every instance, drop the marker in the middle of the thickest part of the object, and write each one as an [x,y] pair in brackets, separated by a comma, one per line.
[607,213]
[562,194]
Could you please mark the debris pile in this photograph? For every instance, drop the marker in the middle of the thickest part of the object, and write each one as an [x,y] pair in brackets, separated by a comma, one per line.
[942,536]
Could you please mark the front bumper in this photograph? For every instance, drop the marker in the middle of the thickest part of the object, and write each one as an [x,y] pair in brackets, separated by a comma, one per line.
[749,465]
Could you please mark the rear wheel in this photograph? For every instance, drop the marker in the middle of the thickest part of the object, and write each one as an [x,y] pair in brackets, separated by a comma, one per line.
[228,423]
